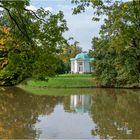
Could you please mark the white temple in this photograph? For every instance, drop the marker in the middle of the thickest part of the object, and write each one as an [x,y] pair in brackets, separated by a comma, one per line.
[81,63]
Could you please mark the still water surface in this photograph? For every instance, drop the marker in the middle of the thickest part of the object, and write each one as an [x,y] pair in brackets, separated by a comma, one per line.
[102,114]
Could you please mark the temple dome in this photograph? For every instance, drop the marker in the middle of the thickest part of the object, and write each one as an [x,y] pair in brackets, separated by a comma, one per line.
[82,56]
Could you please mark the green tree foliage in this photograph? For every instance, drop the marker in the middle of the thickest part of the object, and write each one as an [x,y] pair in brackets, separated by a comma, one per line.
[36,39]
[69,51]
[117,50]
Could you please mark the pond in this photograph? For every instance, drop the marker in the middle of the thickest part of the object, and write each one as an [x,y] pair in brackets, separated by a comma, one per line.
[101,114]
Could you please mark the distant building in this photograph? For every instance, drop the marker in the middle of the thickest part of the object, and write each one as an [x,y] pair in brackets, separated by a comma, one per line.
[81,63]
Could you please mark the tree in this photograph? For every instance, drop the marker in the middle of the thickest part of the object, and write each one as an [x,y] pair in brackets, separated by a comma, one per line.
[69,51]
[36,39]
[4,35]
[117,50]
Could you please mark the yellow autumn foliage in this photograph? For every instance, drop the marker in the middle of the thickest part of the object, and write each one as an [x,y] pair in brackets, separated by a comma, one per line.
[4,37]
[5,34]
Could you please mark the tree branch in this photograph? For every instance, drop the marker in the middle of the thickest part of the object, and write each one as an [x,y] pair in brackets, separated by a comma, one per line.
[12,18]
[35,15]
[17,24]
[25,29]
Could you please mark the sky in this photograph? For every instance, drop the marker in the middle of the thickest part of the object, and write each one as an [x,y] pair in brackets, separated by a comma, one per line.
[81,27]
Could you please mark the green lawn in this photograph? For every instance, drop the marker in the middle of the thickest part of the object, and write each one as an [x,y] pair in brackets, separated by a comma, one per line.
[65,81]
[57,91]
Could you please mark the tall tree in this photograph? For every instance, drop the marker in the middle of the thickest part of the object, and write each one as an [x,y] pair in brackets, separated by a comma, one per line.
[117,50]
[36,39]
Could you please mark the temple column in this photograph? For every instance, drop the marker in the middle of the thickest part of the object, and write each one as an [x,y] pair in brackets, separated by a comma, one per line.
[83,66]
[76,67]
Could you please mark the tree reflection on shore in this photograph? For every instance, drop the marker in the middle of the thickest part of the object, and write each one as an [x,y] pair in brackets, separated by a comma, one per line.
[116,114]
[19,112]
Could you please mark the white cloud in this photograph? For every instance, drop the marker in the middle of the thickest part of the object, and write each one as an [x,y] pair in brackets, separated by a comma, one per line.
[1,9]
[49,9]
[1,13]
[31,7]
[81,27]
[64,7]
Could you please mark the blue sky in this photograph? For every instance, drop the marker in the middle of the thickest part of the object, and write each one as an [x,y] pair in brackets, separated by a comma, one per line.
[81,27]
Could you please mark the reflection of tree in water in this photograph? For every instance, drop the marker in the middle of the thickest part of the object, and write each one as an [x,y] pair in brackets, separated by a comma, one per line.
[116,114]
[19,112]
[66,104]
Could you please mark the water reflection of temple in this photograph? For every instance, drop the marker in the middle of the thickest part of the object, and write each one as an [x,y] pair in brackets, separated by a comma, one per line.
[80,103]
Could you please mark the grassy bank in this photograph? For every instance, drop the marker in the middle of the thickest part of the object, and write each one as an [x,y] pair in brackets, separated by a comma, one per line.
[66,84]
[64,81]
[57,91]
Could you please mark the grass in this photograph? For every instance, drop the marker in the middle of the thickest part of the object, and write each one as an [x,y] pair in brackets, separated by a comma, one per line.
[62,85]
[65,84]
[57,91]
[65,81]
